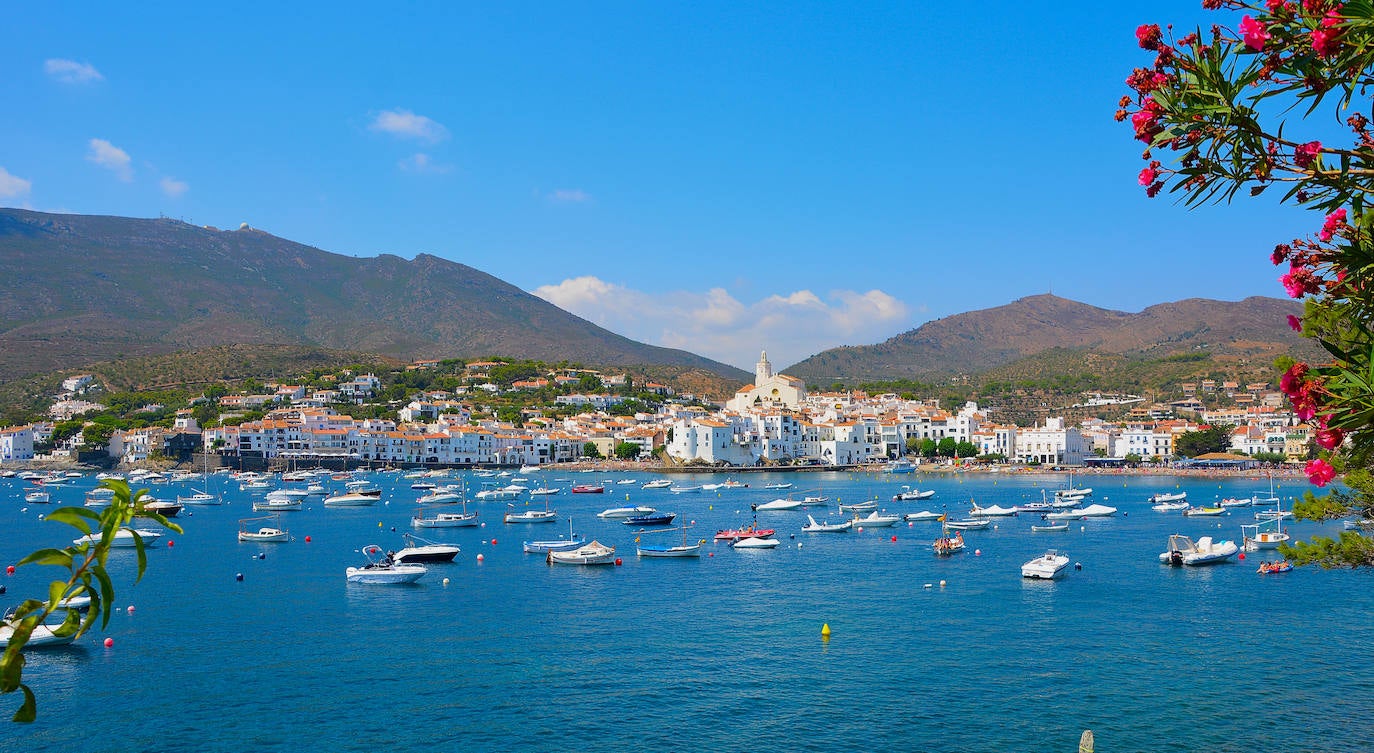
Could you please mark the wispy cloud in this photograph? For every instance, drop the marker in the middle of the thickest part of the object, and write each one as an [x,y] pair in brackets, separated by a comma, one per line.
[112,158]
[420,162]
[71,72]
[569,196]
[714,323]
[13,186]
[407,125]
[172,187]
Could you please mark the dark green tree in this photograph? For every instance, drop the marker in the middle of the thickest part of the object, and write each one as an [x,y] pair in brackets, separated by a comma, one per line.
[1190,444]
[589,450]
[627,450]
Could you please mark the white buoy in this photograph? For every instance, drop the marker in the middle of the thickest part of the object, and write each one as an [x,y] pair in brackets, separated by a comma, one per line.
[942,584]
[927,586]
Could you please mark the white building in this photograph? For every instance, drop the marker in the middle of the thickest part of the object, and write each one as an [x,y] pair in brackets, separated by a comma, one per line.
[769,390]
[1051,444]
[16,444]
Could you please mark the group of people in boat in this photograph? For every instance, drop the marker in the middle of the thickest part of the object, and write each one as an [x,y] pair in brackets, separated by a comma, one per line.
[1280,566]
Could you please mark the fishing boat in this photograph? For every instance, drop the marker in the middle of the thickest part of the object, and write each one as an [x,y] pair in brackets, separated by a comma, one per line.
[594,553]
[1264,534]
[876,519]
[264,533]
[1048,566]
[755,542]
[868,506]
[530,516]
[1049,527]
[464,519]
[276,504]
[1184,551]
[39,497]
[968,525]
[815,501]
[909,495]
[658,483]
[691,489]
[650,519]
[922,516]
[665,550]
[589,489]
[381,570]
[827,527]
[423,550]
[1163,497]
[199,498]
[1204,512]
[555,545]
[749,531]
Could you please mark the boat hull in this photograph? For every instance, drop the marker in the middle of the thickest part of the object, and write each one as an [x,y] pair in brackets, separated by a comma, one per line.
[690,550]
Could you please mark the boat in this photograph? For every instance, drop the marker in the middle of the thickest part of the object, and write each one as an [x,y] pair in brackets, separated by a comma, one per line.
[827,527]
[594,553]
[1358,524]
[256,486]
[1171,506]
[1163,497]
[38,497]
[531,516]
[1184,551]
[658,483]
[493,493]
[1271,515]
[440,496]
[99,499]
[778,485]
[1069,492]
[617,513]
[733,484]
[900,465]
[424,485]
[1272,499]
[381,570]
[43,636]
[464,519]
[755,542]
[650,519]
[968,525]
[423,550]
[545,491]
[778,504]
[666,550]
[276,504]
[555,545]
[684,489]
[589,489]
[1236,502]
[909,495]
[947,545]
[815,501]
[350,499]
[1269,568]
[749,531]
[1047,566]
[1095,511]
[528,469]
[123,538]
[922,516]
[996,511]
[1205,512]
[199,498]
[272,533]
[161,507]
[859,507]
[1264,534]
[876,519]
[1049,527]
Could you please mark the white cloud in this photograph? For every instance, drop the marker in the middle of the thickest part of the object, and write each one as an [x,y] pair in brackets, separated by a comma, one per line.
[111,158]
[715,324]
[13,186]
[172,187]
[71,72]
[422,163]
[407,125]
[570,196]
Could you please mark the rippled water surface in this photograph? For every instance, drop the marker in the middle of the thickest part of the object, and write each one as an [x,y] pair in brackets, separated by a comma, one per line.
[723,652]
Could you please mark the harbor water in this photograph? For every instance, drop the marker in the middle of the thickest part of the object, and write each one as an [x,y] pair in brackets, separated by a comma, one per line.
[723,652]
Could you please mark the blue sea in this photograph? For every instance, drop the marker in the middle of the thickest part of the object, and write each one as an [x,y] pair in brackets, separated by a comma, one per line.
[719,653]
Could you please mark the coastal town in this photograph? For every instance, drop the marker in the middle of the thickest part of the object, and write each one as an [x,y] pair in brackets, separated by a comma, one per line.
[775,422]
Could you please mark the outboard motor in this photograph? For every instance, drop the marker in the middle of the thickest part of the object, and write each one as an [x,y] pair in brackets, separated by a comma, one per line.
[1176,558]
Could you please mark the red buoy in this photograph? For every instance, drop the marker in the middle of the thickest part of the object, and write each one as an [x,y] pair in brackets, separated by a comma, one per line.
[9,570]
[109,642]
[1242,555]
[493,542]
[617,561]
[170,543]
[307,539]
[894,538]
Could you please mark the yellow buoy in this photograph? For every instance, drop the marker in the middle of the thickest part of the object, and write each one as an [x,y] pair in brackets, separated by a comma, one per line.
[825,632]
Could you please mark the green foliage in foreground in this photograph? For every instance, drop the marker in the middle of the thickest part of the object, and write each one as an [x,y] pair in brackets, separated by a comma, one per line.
[87,576]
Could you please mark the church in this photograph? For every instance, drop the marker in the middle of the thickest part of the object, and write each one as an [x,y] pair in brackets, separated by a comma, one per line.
[768,391]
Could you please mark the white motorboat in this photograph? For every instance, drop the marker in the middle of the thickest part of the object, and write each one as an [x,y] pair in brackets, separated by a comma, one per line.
[594,553]
[123,538]
[617,513]
[1047,566]
[161,507]
[38,497]
[909,495]
[1184,551]
[276,504]
[531,516]
[868,506]
[753,542]
[423,550]
[658,483]
[1171,506]
[440,496]
[684,489]
[266,533]
[876,519]
[545,491]
[947,545]
[528,469]
[815,501]
[446,520]
[1049,527]
[968,525]
[1096,511]
[555,545]
[778,504]
[1272,515]
[1236,502]
[827,527]
[1163,497]
[996,511]
[1204,512]
[922,516]
[497,494]
[200,498]
[778,485]
[99,499]
[350,499]
[42,636]
[381,570]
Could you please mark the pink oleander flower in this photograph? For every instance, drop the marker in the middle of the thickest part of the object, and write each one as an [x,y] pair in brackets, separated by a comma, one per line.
[1294,323]
[1324,236]
[1292,380]
[1300,281]
[1281,253]
[1254,33]
[1319,472]
[1334,221]
[1148,36]
[1304,154]
[1146,177]
[1325,42]
[1276,7]
[1328,439]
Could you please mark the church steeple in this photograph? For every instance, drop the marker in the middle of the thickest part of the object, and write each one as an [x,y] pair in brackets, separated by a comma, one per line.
[763,371]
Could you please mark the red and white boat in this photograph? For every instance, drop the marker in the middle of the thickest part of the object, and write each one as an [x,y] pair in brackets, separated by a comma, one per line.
[588,489]
[750,531]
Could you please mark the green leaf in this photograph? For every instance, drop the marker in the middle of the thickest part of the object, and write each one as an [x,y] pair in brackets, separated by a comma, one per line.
[59,557]
[106,594]
[28,711]
[75,517]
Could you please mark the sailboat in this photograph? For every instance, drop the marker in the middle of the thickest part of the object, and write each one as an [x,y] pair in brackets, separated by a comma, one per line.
[1266,533]
[946,544]
[556,545]
[665,550]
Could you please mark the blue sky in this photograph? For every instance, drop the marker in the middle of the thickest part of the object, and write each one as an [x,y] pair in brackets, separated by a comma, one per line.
[707,176]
